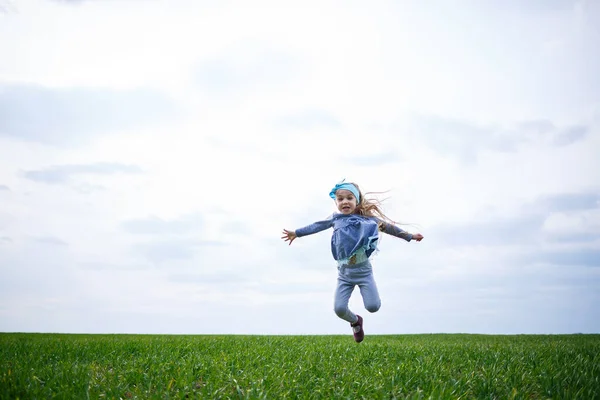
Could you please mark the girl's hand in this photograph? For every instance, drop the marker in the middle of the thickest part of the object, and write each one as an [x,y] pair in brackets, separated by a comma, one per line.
[418,237]
[289,235]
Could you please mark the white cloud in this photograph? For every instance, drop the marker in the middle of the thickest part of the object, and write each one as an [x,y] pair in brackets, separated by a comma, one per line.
[182,137]
[565,226]
[59,174]
[56,116]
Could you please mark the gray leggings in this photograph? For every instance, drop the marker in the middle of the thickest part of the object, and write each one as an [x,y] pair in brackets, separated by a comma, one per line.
[349,277]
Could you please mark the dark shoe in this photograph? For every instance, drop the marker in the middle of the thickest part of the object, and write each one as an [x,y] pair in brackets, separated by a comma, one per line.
[357,329]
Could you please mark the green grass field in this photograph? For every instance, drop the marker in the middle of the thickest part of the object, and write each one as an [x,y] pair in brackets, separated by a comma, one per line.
[274,367]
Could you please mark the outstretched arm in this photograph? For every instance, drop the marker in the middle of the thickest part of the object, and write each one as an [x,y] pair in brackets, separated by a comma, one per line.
[289,236]
[307,230]
[393,230]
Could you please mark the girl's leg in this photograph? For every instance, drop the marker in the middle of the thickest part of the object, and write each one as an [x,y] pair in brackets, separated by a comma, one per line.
[369,293]
[343,292]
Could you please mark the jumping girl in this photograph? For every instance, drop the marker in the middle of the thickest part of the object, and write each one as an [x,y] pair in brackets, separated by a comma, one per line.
[355,234]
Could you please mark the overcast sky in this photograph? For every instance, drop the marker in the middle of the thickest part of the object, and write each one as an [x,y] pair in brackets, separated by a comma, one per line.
[151,152]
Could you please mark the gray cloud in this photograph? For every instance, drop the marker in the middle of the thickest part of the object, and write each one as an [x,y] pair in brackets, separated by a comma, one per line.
[229,278]
[277,288]
[455,137]
[159,252]
[543,128]
[581,257]
[172,239]
[5,240]
[238,276]
[237,227]
[127,265]
[60,174]
[567,202]
[569,237]
[42,273]
[525,227]
[4,188]
[51,240]
[465,139]
[58,116]
[260,67]
[87,188]
[570,135]
[522,245]
[155,225]
[163,251]
[536,127]
[515,230]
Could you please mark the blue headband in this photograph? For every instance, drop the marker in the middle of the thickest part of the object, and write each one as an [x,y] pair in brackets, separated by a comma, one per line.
[345,186]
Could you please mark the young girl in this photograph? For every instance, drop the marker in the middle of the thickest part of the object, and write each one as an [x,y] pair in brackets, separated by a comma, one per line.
[355,235]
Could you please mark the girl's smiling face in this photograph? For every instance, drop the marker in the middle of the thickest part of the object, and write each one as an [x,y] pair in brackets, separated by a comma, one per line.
[345,201]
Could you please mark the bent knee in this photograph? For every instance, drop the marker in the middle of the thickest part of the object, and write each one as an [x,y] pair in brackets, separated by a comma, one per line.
[373,307]
[340,310]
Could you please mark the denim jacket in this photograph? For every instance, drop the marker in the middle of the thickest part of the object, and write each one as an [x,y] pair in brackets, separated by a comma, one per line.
[353,234]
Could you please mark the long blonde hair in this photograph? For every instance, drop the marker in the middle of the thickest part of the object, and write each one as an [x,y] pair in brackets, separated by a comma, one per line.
[370,206]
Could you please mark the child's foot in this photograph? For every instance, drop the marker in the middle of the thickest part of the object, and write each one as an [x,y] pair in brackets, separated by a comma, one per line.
[357,329]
